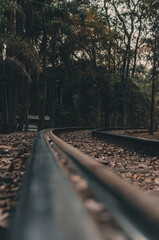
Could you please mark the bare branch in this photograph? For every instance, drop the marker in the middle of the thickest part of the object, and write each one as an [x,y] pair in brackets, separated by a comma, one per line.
[121,19]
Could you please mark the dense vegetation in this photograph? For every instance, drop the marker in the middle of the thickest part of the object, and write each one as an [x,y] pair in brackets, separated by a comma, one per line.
[82,62]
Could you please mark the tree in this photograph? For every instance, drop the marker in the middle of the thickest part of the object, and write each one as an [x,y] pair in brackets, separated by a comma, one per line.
[129,15]
[16,56]
[83,67]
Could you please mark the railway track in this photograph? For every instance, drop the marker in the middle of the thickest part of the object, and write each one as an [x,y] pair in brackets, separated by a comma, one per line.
[135,167]
[49,207]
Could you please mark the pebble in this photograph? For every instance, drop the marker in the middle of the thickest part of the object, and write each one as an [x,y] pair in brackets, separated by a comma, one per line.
[93,205]
[156,180]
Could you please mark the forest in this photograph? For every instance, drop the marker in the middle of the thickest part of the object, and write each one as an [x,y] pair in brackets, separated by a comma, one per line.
[79,62]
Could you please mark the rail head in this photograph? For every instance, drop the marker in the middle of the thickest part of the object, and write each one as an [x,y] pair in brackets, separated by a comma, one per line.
[138,209]
[48,207]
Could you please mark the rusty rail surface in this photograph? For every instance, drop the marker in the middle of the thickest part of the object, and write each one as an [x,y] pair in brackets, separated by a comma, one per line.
[135,211]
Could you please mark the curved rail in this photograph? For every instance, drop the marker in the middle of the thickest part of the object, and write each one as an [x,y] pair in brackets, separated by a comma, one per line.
[50,209]
[149,146]
[136,212]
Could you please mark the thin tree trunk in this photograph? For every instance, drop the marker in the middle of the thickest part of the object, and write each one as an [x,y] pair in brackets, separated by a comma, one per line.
[27,104]
[151,130]
[53,85]
[60,104]
[43,102]
[124,112]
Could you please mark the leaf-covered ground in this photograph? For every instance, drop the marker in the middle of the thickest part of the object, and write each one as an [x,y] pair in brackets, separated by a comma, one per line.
[14,152]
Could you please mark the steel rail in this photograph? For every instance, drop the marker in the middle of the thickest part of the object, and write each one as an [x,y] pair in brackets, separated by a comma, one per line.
[48,206]
[149,146]
[135,211]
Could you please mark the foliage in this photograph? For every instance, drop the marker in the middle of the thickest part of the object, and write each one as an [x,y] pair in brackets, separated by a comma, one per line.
[85,61]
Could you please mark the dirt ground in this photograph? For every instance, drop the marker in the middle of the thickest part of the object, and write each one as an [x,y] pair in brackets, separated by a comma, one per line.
[155,136]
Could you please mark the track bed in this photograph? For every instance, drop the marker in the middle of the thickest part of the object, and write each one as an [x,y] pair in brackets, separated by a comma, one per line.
[67,195]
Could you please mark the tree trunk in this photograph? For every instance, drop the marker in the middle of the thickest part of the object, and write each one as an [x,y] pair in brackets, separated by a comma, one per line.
[44,81]
[60,104]
[124,112]
[53,84]
[27,105]
[53,101]
[151,129]
[12,102]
